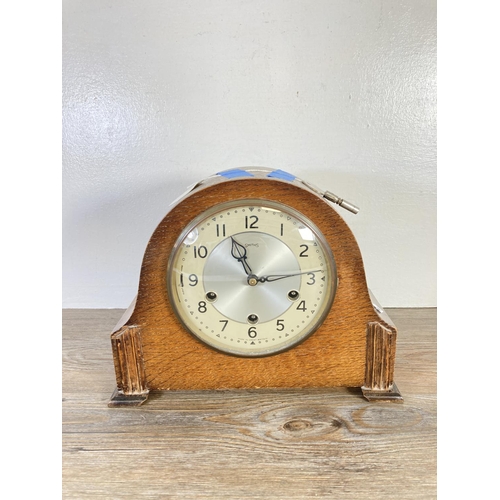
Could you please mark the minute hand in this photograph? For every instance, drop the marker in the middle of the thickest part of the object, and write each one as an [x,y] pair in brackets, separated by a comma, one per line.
[276,277]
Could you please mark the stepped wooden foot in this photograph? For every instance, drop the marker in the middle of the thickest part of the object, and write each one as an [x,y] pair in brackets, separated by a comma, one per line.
[120,399]
[391,394]
[380,355]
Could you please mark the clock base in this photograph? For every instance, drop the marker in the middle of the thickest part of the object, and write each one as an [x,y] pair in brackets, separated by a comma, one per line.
[392,394]
[133,390]
[118,398]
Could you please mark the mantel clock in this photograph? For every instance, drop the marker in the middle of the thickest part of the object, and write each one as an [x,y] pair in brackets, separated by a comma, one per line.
[253,280]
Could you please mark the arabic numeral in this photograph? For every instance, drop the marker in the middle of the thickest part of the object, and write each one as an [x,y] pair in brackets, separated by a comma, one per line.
[221,230]
[193,280]
[312,279]
[200,252]
[302,306]
[252,332]
[304,252]
[250,222]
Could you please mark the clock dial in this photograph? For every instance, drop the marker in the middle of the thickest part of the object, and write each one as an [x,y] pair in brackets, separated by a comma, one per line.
[251,277]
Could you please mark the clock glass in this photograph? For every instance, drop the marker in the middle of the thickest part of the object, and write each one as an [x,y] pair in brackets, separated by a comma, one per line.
[251,277]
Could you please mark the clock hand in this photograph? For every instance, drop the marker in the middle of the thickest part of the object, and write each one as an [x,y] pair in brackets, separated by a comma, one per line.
[239,252]
[275,277]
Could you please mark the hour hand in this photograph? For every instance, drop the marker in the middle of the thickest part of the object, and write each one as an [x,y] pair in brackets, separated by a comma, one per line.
[239,252]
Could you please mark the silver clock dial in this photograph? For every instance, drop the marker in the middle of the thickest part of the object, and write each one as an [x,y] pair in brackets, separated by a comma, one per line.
[226,277]
[251,277]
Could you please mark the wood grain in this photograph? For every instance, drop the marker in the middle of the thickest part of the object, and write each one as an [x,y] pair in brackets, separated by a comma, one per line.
[129,362]
[333,356]
[247,444]
[380,356]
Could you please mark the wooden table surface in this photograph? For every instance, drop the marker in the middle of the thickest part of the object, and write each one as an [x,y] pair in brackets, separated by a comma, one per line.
[272,444]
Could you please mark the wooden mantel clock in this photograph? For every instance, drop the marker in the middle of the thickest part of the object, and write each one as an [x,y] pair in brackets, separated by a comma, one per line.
[253,280]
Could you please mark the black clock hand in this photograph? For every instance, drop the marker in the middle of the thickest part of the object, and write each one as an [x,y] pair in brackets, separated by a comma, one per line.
[276,277]
[239,252]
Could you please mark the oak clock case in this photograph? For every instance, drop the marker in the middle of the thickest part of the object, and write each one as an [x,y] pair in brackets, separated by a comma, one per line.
[253,280]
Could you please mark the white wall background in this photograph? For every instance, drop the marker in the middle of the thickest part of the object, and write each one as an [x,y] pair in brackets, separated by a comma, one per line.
[160,94]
